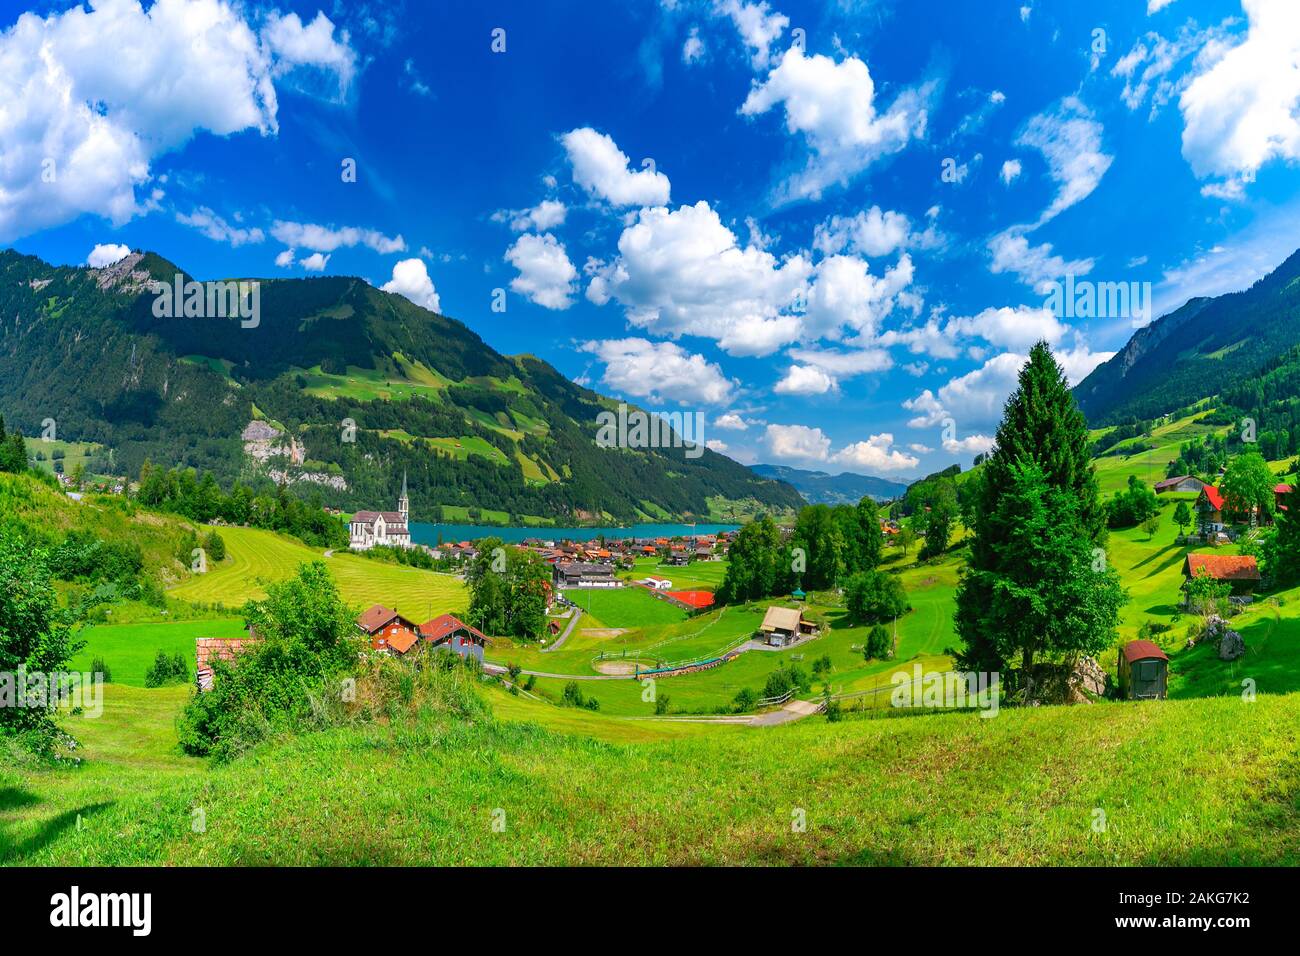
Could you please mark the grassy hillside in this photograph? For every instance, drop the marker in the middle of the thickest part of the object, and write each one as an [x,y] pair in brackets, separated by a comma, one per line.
[1023,788]
[257,558]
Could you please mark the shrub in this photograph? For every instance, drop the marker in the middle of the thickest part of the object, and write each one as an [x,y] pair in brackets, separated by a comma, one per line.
[166,670]
[100,666]
[661,704]
[744,700]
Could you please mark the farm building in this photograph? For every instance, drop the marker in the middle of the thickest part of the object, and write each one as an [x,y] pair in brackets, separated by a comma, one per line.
[579,574]
[1241,571]
[448,632]
[209,649]
[1143,671]
[387,629]
[1180,483]
[783,626]
[1210,508]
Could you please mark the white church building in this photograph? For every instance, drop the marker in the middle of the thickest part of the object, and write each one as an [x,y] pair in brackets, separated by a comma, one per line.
[391,528]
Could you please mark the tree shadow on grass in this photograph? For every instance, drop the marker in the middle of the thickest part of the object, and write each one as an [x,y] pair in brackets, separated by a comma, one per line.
[13,849]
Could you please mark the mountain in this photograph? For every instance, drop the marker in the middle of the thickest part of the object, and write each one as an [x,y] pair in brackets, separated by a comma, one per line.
[339,388]
[823,489]
[1207,346]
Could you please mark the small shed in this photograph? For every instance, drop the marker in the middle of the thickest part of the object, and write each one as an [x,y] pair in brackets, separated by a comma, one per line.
[1143,671]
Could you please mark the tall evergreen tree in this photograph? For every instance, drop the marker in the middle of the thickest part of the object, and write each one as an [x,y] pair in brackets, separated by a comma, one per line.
[1041,425]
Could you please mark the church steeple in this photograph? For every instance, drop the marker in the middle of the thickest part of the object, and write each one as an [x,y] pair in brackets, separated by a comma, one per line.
[404,502]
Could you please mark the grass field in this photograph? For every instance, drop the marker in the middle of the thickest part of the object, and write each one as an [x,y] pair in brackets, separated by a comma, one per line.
[938,789]
[129,649]
[257,558]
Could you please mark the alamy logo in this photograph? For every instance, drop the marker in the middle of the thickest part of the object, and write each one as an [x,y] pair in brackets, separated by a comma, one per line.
[951,690]
[1085,299]
[38,690]
[73,909]
[638,429]
[209,300]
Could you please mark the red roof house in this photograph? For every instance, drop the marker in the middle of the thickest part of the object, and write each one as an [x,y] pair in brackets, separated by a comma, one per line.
[387,629]
[210,649]
[450,632]
[1240,570]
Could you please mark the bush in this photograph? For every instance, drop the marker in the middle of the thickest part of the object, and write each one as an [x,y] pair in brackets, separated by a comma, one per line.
[745,700]
[661,704]
[100,666]
[822,665]
[166,670]
[215,546]
[788,677]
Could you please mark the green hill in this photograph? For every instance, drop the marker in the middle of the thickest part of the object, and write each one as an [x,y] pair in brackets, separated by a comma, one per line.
[471,427]
[1220,343]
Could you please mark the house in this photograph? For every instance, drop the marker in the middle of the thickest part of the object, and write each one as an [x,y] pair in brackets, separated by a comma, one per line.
[656,584]
[391,528]
[783,626]
[209,649]
[1143,671]
[1180,483]
[678,557]
[387,630]
[1241,571]
[1280,493]
[448,632]
[1210,509]
[580,574]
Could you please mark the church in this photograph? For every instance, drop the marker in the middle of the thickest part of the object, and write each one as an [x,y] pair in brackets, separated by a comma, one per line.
[391,528]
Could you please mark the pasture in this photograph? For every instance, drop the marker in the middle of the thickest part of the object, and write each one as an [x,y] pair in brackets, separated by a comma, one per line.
[257,558]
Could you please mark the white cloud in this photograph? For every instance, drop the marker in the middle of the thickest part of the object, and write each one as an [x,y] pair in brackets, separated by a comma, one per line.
[804,380]
[802,443]
[105,254]
[845,296]
[682,272]
[927,339]
[328,238]
[1243,109]
[411,279]
[316,262]
[547,214]
[971,444]
[1014,329]
[797,443]
[832,105]
[1011,170]
[218,229]
[929,409]
[693,48]
[601,168]
[844,364]
[1158,58]
[730,421]
[1154,6]
[920,449]
[1069,137]
[80,129]
[873,232]
[758,27]
[663,372]
[285,259]
[1036,266]
[714,444]
[876,454]
[546,276]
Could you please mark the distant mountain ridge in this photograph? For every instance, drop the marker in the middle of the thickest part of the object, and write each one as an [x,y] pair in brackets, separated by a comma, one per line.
[821,488]
[357,387]
[1207,346]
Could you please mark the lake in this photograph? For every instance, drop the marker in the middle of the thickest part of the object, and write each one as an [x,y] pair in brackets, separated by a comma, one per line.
[424,533]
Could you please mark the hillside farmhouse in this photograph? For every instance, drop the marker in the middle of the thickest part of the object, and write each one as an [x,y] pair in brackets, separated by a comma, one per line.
[1180,483]
[1241,571]
[581,574]
[391,632]
[783,626]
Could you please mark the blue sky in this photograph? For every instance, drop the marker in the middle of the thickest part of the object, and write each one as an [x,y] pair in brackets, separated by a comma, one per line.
[832,227]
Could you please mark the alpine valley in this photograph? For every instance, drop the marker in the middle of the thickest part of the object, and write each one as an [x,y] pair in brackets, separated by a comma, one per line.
[337,389]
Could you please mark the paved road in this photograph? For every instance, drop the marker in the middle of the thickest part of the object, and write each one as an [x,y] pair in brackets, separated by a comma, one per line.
[573,622]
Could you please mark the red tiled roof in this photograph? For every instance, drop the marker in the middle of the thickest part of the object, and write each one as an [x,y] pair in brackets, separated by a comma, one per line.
[1283,489]
[1223,567]
[374,618]
[209,649]
[1214,496]
[403,641]
[1140,650]
[445,625]
[696,599]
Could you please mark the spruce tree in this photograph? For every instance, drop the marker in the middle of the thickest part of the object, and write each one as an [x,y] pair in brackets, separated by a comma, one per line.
[1042,426]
